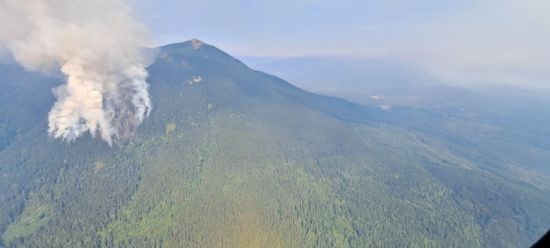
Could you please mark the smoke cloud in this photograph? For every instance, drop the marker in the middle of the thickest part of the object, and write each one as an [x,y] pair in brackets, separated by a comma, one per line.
[98,46]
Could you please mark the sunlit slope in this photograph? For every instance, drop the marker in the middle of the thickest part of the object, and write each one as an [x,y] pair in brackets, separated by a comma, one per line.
[231,157]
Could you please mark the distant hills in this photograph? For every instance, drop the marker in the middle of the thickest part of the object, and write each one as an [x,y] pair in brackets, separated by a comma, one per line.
[233,157]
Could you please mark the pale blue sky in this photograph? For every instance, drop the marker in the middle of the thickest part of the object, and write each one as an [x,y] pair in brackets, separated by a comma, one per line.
[289,27]
[501,41]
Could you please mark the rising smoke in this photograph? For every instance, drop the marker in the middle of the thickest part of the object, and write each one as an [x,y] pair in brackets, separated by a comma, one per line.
[98,46]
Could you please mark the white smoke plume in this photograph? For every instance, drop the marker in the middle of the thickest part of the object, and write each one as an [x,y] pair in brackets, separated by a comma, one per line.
[98,45]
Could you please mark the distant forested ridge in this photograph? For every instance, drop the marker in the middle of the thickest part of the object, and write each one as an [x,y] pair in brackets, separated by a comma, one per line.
[232,157]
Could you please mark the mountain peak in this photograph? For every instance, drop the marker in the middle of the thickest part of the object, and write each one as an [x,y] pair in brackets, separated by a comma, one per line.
[226,81]
[196,43]
[198,55]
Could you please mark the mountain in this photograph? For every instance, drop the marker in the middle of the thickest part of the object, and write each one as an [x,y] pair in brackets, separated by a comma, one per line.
[233,157]
[25,99]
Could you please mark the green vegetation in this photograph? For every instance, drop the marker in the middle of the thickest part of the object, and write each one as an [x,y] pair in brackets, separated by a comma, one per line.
[261,164]
[170,128]
[33,217]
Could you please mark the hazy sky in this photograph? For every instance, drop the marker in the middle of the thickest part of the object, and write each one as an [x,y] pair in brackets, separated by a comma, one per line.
[500,41]
[291,27]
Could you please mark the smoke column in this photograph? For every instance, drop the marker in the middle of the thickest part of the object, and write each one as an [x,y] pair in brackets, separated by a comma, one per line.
[97,45]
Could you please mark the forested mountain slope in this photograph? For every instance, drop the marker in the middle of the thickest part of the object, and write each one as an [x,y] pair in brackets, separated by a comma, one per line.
[25,99]
[232,157]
